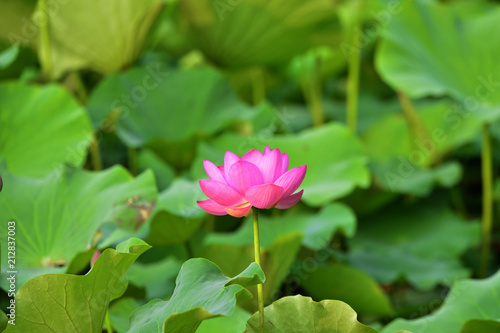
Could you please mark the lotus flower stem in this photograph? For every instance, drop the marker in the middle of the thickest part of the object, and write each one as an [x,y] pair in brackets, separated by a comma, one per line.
[243,184]
[80,90]
[487,178]
[95,155]
[189,250]
[132,160]
[354,70]
[256,245]
[415,124]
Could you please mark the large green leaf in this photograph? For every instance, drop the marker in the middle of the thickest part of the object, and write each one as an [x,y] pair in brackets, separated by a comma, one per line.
[113,41]
[318,229]
[232,324]
[169,106]
[426,66]
[302,315]
[12,14]
[177,215]
[74,303]
[158,278]
[201,292]
[173,219]
[335,159]
[371,109]
[168,34]
[56,217]
[119,313]
[422,242]
[164,173]
[392,137]
[260,32]
[481,325]
[468,299]
[401,162]
[40,128]
[349,285]
[4,319]
[399,175]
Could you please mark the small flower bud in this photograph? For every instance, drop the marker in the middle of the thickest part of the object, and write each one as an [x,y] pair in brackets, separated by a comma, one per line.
[96,255]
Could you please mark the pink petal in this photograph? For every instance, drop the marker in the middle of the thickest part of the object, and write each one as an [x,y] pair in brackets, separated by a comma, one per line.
[264,196]
[290,200]
[213,172]
[212,207]
[291,180]
[221,193]
[253,156]
[270,165]
[96,255]
[229,159]
[221,169]
[239,211]
[284,163]
[267,150]
[244,175]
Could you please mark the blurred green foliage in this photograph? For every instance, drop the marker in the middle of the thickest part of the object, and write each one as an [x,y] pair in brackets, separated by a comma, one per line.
[108,108]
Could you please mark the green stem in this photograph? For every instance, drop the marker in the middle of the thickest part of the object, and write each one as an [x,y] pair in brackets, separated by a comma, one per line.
[458,202]
[256,246]
[109,327]
[353,73]
[80,91]
[95,155]
[132,160]
[487,177]
[45,55]
[189,250]
[415,124]
[210,223]
[311,88]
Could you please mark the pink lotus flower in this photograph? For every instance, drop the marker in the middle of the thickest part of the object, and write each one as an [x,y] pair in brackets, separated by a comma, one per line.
[256,179]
